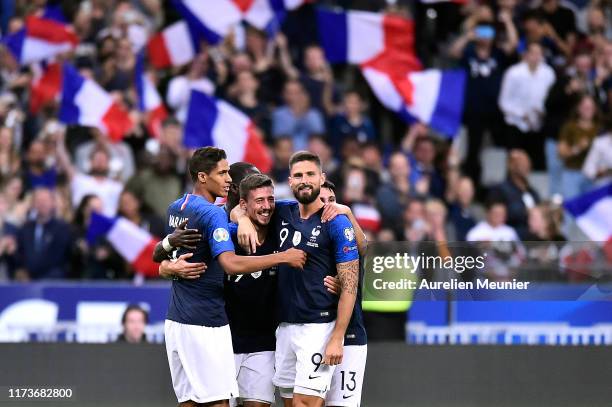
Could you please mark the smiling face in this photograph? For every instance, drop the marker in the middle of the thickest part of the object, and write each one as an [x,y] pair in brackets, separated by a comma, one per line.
[259,205]
[218,181]
[305,180]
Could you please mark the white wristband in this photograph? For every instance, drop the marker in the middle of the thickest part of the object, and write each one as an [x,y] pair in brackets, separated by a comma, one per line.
[166,245]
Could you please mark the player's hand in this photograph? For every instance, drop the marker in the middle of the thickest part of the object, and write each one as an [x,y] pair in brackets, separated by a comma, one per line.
[182,268]
[247,235]
[333,352]
[331,210]
[332,284]
[295,258]
[183,237]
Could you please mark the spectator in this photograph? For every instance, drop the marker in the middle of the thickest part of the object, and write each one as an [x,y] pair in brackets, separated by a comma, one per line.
[561,23]
[296,118]
[574,142]
[524,89]
[415,225]
[159,185]
[561,99]
[351,122]
[317,79]
[245,98]
[545,223]
[319,146]
[36,173]
[121,159]
[517,195]
[8,243]
[179,88]
[131,208]
[282,151]
[537,31]
[134,321]
[485,63]
[494,227]
[436,217]
[9,159]
[392,196]
[44,243]
[598,163]
[96,182]
[463,214]
[16,207]
[421,151]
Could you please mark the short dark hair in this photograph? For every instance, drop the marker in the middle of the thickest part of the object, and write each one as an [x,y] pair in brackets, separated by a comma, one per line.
[134,307]
[304,156]
[329,185]
[240,170]
[252,182]
[491,202]
[205,159]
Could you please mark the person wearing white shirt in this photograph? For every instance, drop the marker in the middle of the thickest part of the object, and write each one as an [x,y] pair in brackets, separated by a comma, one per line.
[523,93]
[598,163]
[97,182]
[494,228]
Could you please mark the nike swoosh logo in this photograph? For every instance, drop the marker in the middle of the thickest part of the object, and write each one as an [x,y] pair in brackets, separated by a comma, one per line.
[347,397]
[284,223]
[313,377]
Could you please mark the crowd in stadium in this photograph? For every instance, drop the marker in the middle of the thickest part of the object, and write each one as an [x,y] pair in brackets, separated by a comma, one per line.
[539,86]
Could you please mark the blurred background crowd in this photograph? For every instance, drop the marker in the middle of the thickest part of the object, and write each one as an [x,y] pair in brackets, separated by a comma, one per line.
[536,127]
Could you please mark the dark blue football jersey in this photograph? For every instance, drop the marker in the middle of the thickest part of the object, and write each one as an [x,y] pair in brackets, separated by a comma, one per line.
[200,301]
[302,297]
[250,302]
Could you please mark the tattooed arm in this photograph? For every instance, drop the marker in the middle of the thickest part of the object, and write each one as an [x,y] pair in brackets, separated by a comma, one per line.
[348,274]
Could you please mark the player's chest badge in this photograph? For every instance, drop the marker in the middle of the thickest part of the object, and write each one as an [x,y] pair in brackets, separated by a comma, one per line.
[316,231]
[297,237]
[256,274]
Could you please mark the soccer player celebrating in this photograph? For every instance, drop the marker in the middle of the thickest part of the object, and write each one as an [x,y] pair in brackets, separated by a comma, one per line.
[198,339]
[347,381]
[313,322]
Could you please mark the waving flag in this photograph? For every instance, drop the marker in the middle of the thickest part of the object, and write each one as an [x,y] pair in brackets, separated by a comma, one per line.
[86,103]
[593,213]
[213,122]
[149,101]
[215,23]
[175,45]
[134,244]
[40,39]
[46,85]
[383,46]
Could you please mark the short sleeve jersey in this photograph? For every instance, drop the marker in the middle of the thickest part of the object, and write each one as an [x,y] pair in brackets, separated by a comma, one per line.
[302,296]
[200,301]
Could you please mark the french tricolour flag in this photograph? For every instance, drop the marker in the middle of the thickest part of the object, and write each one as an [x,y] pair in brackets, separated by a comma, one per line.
[213,122]
[367,216]
[383,46]
[46,84]
[134,244]
[175,45]
[40,39]
[86,103]
[593,213]
[149,101]
[215,23]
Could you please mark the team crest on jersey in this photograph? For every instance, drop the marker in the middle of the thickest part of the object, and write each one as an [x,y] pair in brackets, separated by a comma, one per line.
[349,233]
[297,238]
[316,231]
[221,235]
[256,274]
